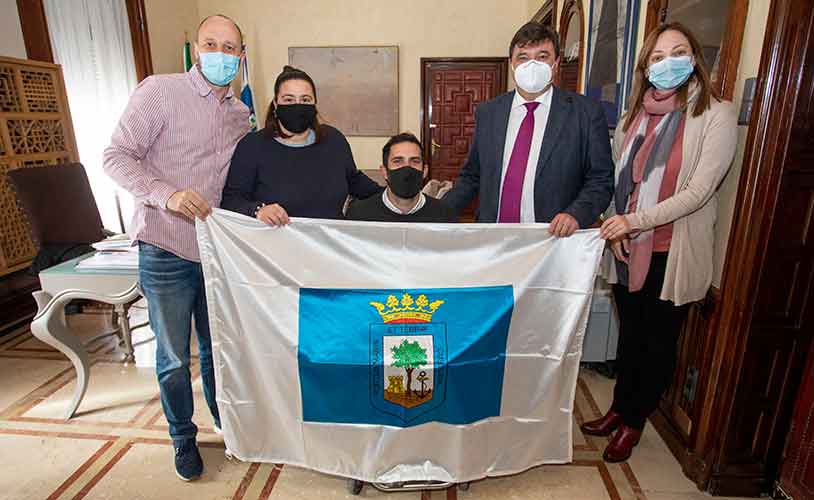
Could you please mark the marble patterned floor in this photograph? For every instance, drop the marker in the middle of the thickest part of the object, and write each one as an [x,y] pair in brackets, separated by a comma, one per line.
[117,446]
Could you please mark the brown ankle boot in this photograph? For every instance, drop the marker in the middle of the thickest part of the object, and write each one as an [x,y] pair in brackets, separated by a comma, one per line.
[621,446]
[603,426]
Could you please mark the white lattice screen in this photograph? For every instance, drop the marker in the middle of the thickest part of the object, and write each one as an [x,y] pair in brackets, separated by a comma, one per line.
[35,131]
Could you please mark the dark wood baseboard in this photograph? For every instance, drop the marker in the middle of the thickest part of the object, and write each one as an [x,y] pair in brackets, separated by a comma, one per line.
[734,484]
[694,467]
[739,485]
[671,436]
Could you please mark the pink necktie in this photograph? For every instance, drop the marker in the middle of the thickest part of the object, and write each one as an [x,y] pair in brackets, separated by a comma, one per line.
[516,171]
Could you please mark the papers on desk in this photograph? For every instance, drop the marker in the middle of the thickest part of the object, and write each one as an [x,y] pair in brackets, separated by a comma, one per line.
[119,242]
[112,254]
[110,261]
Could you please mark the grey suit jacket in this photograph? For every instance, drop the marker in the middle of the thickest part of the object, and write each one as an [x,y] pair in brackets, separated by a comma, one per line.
[574,171]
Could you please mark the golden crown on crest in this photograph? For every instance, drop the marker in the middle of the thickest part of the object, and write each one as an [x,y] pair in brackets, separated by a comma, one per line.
[407,310]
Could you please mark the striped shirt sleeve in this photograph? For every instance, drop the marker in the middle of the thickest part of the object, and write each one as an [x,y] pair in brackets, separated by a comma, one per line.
[141,123]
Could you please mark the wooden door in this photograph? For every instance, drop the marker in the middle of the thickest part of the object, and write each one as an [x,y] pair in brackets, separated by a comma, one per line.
[766,323]
[743,361]
[451,89]
[792,306]
[782,318]
[797,470]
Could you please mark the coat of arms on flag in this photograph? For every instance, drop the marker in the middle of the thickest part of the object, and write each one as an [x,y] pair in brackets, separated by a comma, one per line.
[408,355]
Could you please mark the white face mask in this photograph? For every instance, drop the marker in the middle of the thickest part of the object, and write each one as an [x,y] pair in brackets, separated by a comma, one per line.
[532,76]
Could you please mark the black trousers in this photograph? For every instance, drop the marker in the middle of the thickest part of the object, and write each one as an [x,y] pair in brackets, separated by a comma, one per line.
[648,342]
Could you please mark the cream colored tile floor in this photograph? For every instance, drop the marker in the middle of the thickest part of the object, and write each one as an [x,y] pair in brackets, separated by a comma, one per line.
[117,446]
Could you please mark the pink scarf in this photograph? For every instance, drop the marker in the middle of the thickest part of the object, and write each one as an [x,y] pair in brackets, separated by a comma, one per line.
[655,106]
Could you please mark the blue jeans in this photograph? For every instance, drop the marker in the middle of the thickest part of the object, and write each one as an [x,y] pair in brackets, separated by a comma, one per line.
[174,289]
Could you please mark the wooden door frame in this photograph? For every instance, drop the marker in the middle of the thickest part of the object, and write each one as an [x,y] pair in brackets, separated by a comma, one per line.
[38,42]
[424,119]
[137,18]
[35,30]
[777,90]
[548,7]
[573,8]
[730,43]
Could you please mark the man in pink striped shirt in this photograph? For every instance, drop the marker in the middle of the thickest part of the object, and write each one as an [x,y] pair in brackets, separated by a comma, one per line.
[171,150]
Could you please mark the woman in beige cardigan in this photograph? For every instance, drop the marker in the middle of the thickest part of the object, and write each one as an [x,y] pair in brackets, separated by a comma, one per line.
[672,151]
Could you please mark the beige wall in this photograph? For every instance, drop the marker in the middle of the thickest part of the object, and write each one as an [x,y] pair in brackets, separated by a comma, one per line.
[11,36]
[167,20]
[420,28]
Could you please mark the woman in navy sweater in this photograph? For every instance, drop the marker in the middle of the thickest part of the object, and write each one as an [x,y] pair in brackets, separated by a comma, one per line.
[295,166]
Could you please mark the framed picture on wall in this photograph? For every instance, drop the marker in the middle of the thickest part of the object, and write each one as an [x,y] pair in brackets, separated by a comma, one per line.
[612,30]
[357,87]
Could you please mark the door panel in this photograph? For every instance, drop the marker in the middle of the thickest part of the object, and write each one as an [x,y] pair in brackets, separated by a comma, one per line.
[793,305]
[797,471]
[451,90]
[774,394]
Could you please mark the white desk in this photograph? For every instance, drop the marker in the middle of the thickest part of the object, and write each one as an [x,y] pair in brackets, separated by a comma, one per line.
[63,283]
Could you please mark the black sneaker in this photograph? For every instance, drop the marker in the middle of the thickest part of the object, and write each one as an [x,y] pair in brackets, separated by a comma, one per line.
[188,463]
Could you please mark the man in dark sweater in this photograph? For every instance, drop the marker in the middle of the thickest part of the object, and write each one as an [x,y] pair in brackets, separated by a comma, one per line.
[403,167]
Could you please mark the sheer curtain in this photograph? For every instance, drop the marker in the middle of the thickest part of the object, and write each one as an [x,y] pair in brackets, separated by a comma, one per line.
[91,40]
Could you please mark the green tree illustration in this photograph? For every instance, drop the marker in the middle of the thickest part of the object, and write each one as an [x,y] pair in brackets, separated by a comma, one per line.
[409,355]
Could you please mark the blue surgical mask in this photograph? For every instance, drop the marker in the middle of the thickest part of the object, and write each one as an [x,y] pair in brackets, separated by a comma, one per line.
[219,68]
[670,72]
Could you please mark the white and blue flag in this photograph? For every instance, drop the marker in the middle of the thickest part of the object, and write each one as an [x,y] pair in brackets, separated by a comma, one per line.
[246,92]
[393,352]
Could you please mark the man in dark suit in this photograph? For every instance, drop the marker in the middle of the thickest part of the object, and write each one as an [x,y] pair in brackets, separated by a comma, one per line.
[540,153]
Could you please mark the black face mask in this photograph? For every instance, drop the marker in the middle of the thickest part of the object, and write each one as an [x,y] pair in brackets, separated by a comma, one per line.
[297,118]
[405,182]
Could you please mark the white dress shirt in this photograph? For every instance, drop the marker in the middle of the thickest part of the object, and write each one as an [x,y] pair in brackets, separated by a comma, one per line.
[419,204]
[518,113]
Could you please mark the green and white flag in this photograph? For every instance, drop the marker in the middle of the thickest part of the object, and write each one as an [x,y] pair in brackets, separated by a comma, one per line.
[187,55]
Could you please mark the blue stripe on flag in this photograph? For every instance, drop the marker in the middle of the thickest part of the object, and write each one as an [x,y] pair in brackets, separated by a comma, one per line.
[403,357]
[246,97]
[246,92]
